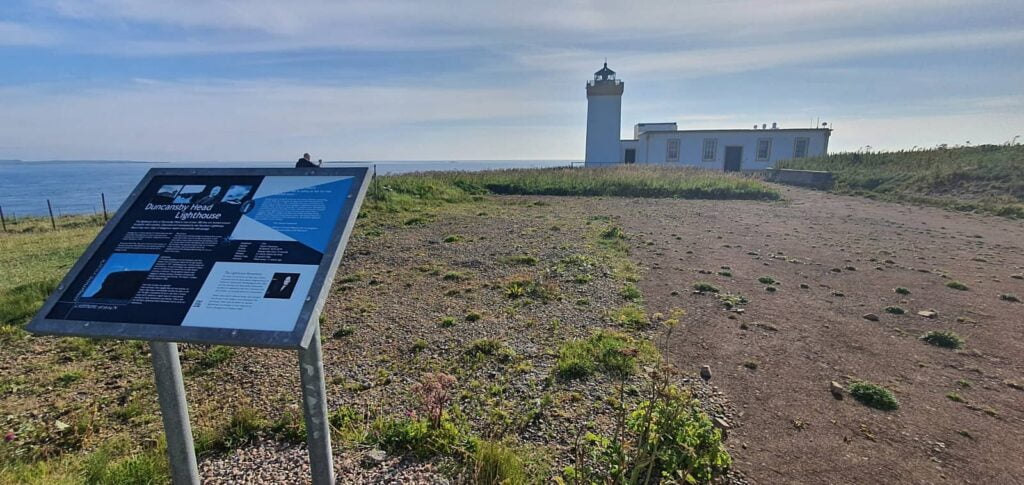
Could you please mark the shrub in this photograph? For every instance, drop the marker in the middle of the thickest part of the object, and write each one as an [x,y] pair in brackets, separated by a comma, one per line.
[455,276]
[943,338]
[495,463]
[767,280]
[873,395]
[419,346]
[523,259]
[901,290]
[613,232]
[730,300]
[434,394]
[473,316]
[448,322]
[705,287]
[452,238]
[956,285]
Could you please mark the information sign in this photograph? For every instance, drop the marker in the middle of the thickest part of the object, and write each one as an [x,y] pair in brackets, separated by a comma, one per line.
[216,256]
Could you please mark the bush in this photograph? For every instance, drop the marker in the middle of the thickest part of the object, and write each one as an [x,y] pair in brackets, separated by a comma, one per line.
[895,310]
[730,300]
[767,280]
[873,395]
[901,291]
[631,293]
[631,316]
[943,338]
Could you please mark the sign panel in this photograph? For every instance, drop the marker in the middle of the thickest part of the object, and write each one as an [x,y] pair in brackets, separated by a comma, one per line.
[227,256]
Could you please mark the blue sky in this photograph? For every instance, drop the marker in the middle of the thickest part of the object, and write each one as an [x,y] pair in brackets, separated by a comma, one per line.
[192,80]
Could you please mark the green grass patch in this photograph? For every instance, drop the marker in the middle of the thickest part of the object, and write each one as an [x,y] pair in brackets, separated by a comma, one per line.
[612,353]
[631,293]
[631,316]
[985,178]
[956,285]
[705,287]
[873,395]
[943,338]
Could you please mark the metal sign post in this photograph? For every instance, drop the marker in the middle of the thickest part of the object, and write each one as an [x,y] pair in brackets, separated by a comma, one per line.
[314,403]
[241,257]
[174,410]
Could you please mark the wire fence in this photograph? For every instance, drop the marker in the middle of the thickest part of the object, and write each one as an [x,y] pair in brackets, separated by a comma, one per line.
[11,221]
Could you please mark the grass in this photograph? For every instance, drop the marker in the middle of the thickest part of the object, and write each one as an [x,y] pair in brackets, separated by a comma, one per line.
[943,338]
[406,191]
[495,463]
[631,316]
[873,395]
[985,178]
[612,353]
[705,287]
[631,293]
[956,285]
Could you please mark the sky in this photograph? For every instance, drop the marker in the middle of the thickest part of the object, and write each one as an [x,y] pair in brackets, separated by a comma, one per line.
[199,80]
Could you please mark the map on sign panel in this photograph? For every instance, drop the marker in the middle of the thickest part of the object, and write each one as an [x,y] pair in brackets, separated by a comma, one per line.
[211,258]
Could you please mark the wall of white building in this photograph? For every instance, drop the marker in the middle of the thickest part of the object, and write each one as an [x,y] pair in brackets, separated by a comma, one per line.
[652,147]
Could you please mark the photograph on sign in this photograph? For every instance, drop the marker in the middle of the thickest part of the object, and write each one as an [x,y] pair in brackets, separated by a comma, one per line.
[211,256]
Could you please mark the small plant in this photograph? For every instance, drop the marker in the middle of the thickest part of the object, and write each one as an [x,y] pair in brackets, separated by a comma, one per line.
[770,289]
[873,395]
[767,280]
[895,310]
[705,287]
[484,346]
[473,316]
[730,300]
[956,285]
[631,293]
[453,238]
[583,278]
[497,463]
[631,316]
[519,288]
[1010,298]
[69,377]
[455,276]
[613,232]
[416,221]
[217,355]
[613,353]
[434,393]
[750,365]
[448,322]
[901,290]
[344,331]
[955,397]
[522,259]
[943,338]
[419,346]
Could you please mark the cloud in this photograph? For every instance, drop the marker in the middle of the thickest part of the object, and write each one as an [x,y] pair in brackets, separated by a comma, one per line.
[14,34]
[270,120]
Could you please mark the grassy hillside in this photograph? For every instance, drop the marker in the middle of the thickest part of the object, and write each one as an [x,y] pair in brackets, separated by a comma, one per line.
[986,178]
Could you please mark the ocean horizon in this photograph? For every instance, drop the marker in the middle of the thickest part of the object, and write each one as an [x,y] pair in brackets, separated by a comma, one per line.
[75,186]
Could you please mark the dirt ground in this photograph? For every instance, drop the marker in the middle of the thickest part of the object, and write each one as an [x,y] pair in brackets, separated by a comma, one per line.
[791,429]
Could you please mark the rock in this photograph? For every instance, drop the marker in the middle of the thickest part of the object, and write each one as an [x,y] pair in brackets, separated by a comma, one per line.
[835,389]
[705,372]
[871,316]
[928,313]
[373,458]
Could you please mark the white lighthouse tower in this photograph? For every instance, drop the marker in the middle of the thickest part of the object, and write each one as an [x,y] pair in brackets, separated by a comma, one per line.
[604,118]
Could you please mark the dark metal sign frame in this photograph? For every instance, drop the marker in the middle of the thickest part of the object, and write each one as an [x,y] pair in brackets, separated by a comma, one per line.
[303,330]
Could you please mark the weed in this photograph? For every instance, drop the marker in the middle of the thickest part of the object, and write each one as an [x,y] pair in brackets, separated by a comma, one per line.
[455,276]
[447,322]
[495,463]
[955,397]
[631,293]
[216,355]
[452,238]
[943,338]
[956,285]
[419,346]
[730,300]
[609,352]
[613,232]
[705,287]
[522,260]
[873,395]
[473,316]
[901,290]
[67,378]
[631,316]
[344,331]
[525,287]
[243,427]
[767,280]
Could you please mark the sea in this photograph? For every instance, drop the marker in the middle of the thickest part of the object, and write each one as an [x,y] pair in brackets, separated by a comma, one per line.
[75,187]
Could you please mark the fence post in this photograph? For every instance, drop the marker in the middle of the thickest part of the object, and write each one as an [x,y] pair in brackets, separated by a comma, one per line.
[103,200]
[53,222]
[3,222]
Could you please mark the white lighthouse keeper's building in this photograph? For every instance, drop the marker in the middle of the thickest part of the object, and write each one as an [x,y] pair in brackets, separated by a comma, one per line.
[663,143]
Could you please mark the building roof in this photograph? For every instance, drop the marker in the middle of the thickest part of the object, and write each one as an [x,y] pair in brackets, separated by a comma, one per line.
[768,130]
[604,71]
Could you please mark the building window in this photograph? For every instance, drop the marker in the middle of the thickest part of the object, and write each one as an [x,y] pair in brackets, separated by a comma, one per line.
[764,149]
[800,147]
[710,149]
[672,151]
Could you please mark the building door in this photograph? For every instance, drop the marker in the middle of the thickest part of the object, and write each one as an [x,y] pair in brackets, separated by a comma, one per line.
[733,158]
[630,155]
